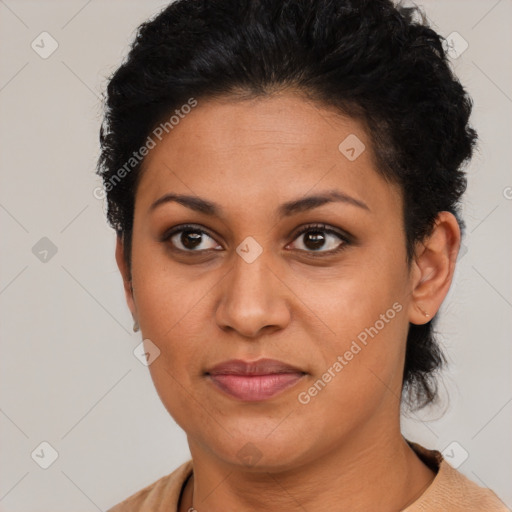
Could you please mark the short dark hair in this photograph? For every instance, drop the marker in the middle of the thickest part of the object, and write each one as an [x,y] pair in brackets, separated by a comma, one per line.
[379,63]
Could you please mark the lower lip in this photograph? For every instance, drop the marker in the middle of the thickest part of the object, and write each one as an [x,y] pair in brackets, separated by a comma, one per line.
[254,388]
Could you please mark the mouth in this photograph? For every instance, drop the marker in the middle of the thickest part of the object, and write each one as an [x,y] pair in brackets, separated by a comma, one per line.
[254,381]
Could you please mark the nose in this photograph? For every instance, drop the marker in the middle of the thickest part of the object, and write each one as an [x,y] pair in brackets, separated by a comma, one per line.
[252,299]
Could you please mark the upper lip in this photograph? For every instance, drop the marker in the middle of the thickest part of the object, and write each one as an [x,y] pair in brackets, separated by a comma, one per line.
[259,367]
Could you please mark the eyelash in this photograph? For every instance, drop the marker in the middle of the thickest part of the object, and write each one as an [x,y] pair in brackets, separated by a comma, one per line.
[344,238]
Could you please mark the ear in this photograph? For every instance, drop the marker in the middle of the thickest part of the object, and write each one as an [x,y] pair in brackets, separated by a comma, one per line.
[126,275]
[433,268]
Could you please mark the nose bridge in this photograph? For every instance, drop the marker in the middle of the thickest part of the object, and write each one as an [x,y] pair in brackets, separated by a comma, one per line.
[252,298]
[251,276]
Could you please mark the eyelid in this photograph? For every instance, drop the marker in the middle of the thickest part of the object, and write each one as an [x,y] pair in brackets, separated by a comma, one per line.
[345,237]
[184,227]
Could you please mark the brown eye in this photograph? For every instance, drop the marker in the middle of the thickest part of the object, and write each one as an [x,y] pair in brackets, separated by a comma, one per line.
[190,239]
[320,239]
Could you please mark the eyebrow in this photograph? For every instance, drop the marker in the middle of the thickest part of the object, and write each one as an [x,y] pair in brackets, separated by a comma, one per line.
[285,210]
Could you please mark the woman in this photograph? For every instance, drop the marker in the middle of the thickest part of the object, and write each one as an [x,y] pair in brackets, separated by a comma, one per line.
[284,180]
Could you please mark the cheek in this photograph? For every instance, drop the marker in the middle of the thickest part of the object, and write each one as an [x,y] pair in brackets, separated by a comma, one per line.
[171,315]
[357,299]
[362,350]
[165,294]
[169,311]
[361,369]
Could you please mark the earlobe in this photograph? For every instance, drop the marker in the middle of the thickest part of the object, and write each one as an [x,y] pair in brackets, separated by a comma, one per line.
[125,274]
[434,266]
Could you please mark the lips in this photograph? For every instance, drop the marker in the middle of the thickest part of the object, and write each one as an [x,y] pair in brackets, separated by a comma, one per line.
[254,381]
[260,367]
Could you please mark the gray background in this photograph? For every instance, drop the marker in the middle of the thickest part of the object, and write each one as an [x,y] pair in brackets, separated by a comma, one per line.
[68,374]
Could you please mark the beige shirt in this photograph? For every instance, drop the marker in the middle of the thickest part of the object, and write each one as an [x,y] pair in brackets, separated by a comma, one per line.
[450,491]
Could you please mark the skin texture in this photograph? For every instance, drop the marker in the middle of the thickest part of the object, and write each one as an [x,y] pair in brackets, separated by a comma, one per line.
[335,452]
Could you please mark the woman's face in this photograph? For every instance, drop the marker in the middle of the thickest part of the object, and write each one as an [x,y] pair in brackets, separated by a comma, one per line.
[330,304]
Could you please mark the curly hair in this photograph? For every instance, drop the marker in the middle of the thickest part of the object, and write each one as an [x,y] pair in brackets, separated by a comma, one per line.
[372,60]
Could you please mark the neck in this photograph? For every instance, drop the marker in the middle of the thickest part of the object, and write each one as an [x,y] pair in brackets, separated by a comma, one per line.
[383,474]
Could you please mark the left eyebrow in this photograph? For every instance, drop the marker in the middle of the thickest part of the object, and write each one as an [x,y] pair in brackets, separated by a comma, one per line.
[285,210]
[310,202]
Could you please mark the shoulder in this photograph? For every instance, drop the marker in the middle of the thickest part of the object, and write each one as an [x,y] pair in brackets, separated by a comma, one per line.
[451,490]
[160,495]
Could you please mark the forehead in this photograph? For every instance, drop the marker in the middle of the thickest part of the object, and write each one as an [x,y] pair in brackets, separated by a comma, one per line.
[264,150]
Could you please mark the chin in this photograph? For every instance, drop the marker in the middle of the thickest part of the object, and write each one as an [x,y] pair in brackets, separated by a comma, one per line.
[261,450]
